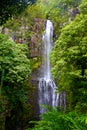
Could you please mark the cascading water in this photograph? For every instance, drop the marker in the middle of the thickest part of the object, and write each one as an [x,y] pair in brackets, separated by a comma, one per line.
[47,88]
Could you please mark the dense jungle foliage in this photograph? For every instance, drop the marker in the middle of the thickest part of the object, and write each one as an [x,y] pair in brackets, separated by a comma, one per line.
[8,8]
[68,60]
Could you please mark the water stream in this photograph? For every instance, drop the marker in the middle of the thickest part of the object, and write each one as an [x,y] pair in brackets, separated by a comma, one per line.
[46,87]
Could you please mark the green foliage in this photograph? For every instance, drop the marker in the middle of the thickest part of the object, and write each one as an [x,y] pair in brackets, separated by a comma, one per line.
[83,7]
[9,8]
[69,60]
[55,120]
[58,12]
[14,73]
[13,61]
[22,27]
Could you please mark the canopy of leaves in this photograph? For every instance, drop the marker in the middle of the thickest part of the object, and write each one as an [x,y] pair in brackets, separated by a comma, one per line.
[8,8]
[83,7]
[13,60]
[69,59]
[14,72]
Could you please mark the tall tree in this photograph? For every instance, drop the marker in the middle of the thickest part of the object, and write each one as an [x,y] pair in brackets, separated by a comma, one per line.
[11,7]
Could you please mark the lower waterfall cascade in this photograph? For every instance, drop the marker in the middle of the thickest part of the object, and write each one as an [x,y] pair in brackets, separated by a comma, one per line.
[46,87]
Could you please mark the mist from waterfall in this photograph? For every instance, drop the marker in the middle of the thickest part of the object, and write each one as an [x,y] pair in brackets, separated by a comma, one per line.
[46,87]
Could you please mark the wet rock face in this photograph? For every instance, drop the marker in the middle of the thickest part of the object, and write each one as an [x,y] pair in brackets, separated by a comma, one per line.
[35,42]
[35,47]
[38,24]
[34,99]
[73,11]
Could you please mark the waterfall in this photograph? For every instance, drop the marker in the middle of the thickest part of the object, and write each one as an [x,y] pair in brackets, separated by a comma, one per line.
[46,87]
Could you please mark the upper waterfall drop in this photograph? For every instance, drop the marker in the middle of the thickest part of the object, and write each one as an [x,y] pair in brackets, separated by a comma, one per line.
[47,46]
[46,87]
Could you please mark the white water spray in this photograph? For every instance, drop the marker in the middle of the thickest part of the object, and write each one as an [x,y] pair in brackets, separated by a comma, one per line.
[47,88]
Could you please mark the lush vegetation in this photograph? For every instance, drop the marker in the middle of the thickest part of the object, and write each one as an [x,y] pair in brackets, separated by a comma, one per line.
[14,73]
[9,8]
[55,120]
[68,59]
[70,62]
[69,68]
